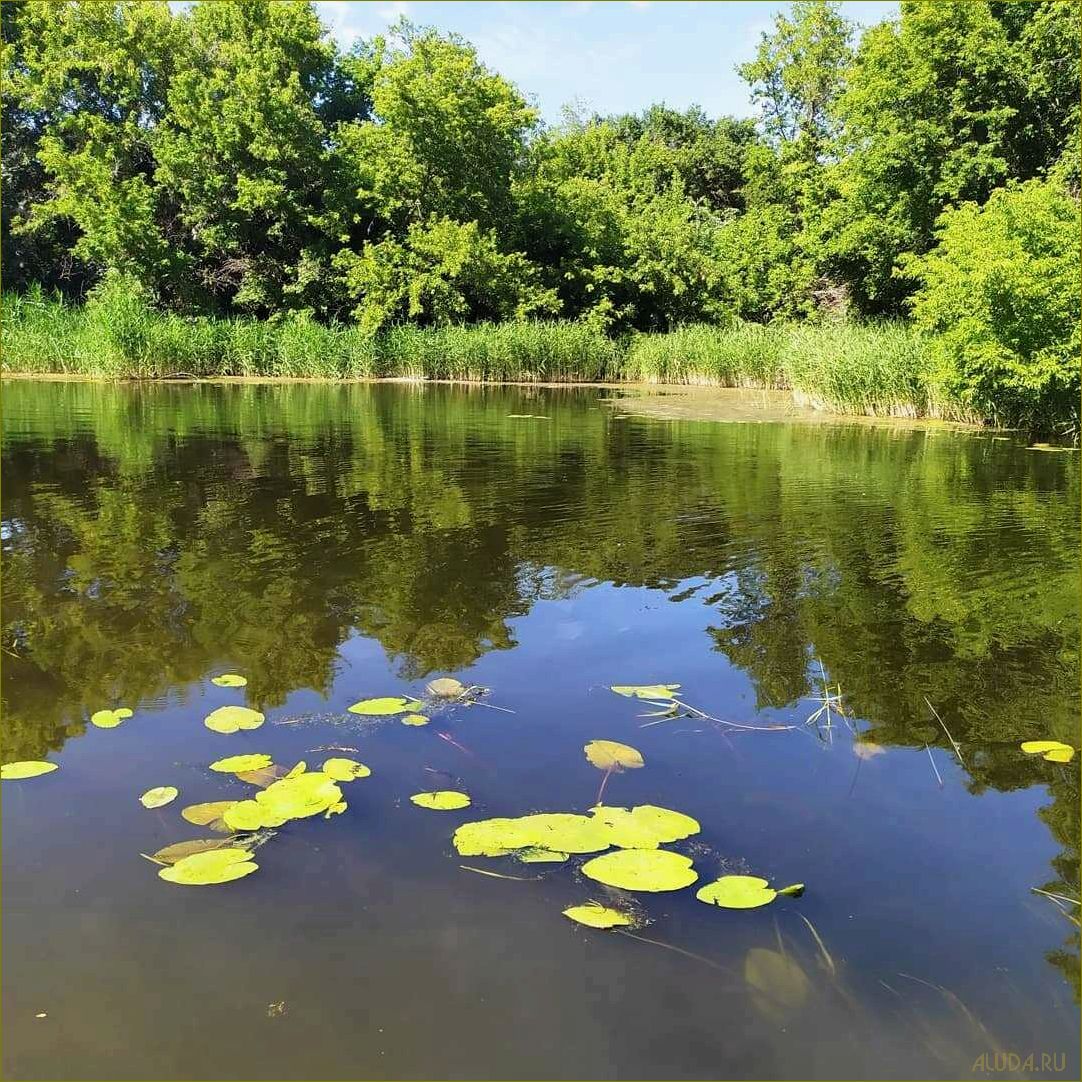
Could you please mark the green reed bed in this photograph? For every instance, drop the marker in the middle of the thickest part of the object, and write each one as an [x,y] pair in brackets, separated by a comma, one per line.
[847,367]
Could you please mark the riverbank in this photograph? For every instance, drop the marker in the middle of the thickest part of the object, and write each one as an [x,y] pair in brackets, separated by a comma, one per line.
[864,369]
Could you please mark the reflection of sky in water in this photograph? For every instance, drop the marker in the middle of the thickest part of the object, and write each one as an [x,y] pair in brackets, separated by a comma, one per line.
[726,558]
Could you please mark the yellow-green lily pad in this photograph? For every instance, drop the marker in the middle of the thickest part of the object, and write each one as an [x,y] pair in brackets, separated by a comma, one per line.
[170,854]
[611,755]
[29,768]
[414,719]
[390,704]
[344,769]
[229,680]
[743,892]
[642,869]
[595,915]
[646,691]
[534,855]
[1051,750]
[559,832]
[446,687]
[300,796]
[210,868]
[443,800]
[231,719]
[159,797]
[109,719]
[252,815]
[646,826]
[240,764]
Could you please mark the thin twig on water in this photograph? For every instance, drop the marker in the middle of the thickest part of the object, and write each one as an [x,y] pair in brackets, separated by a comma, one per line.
[497,875]
[934,767]
[954,743]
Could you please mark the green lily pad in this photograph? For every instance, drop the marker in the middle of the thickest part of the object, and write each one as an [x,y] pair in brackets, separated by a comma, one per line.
[210,868]
[1051,750]
[557,831]
[231,719]
[646,826]
[646,691]
[109,719]
[414,719]
[335,809]
[229,680]
[300,796]
[444,800]
[344,769]
[743,892]
[610,755]
[159,797]
[594,915]
[263,777]
[393,704]
[27,769]
[251,815]
[239,764]
[642,869]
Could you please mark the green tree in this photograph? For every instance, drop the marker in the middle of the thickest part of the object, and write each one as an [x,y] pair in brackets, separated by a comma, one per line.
[244,151]
[1000,294]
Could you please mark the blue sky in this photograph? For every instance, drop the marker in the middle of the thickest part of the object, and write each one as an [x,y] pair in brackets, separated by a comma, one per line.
[611,55]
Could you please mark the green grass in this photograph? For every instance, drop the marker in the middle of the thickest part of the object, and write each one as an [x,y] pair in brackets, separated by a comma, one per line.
[852,368]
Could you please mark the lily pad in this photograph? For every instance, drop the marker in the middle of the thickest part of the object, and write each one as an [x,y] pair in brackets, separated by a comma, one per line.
[263,777]
[344,769]
[109,719]
[414,719]
[556,831]
[229,680]
[743,892]
[646,826]
[393,704]
[159,797]
[210,868]
[1052,750]
[444,800]
[209,815]
[27,769]
[335,809]
[446,687]
[777,982]
[231,719]
[252,815]
[239,764]
[301,796]
[646,691]
[594,915]
[170,854]
[642,869]
[610,755]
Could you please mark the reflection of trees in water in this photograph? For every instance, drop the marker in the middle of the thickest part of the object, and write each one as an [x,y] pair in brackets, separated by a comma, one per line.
[155,533]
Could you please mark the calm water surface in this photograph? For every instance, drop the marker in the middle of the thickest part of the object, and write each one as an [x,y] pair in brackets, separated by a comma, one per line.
[335,543]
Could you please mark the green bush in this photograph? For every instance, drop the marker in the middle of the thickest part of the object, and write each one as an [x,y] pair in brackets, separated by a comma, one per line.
[1000,296]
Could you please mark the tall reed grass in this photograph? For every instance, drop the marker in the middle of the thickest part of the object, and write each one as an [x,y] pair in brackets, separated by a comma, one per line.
[853,368]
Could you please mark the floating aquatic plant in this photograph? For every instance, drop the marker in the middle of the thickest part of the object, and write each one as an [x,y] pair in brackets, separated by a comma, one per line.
[385,706]
[443,800]
[109,719]
[414,719]
[646,691]
[240,764]
[26,769]
[231,719]
[1051,750]
[159,797]
[610,755]
[642,869]
[209,814]
[446,687]
[210,868]
[229,680]
[645,826]
[595,915]
[557,832]
[743,892]
[344,769]
[170,854]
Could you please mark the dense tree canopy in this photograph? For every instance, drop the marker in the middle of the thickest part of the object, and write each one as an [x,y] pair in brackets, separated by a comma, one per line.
[230,158]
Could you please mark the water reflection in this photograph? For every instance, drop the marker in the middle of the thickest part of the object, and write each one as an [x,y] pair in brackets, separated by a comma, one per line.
[154,533]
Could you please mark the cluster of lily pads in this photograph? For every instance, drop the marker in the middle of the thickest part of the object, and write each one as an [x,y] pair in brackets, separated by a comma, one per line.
[624,844]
